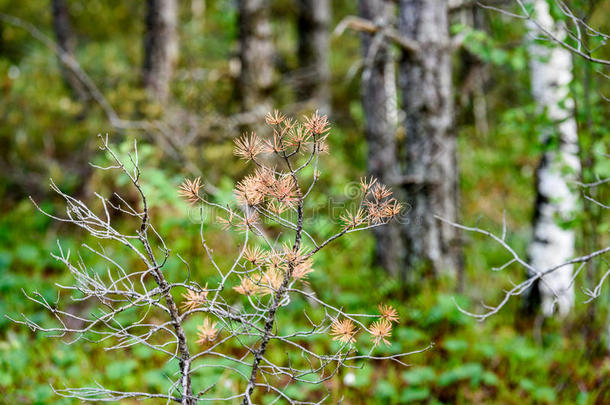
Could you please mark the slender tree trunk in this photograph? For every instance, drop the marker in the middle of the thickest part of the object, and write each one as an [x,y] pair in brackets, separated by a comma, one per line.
[256,55]
[67,42]
[380,111]
[591,212]
[551,74]
[160,47]
[431,171]
[473,73]
[313,27]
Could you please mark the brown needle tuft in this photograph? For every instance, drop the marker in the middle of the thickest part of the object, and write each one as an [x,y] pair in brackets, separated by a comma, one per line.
[380,330]
[189,189]
[343,331]
[207,332]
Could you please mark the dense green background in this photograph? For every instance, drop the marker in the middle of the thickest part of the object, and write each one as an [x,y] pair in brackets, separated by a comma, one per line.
[43,134]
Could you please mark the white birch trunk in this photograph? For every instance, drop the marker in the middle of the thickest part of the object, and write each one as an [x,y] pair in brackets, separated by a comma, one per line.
[551,74]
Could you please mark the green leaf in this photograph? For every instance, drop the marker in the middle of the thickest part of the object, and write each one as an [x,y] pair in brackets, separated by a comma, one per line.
[455,345]
[414,394]
[489,378]
[385,390]
[468,371]
[419,376]
[121,369]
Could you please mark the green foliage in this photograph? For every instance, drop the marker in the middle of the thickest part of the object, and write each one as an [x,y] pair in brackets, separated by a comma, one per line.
[488,49]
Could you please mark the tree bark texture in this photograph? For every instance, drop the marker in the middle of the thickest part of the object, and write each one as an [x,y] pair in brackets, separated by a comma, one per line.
[379,102]
[313,27]
[256,55]
[551,74]
[160,47]
[431,169]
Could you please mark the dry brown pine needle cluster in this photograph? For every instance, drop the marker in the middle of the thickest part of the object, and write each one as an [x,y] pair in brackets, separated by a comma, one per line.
[267,269]
[345,330]
[207,332]
[193,299]
[378,205]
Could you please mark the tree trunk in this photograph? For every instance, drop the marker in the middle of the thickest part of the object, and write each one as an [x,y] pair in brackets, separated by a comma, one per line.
[380,111]
[551,74]
[473,73]
[256,55]
[313,27]
[160,47]
[67,43]
[431,171]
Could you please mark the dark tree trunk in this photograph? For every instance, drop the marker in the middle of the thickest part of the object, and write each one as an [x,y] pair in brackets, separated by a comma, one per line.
[256,55]
[313,27]
[473,73]
[380,111]
[67,43]
[431,171]
[160,47]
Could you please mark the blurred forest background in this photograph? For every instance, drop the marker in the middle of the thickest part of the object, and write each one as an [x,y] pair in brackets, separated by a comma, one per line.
[187,78]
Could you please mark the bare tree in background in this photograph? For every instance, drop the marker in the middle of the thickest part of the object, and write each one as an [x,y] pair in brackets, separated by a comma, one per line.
[160,47]
[380,111]
[431,171]
[473,72]
[313,27]
[551,74]
[256,55]
[429,175]
[67,43]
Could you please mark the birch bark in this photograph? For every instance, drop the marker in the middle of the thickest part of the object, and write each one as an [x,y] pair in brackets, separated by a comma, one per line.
[551,74]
